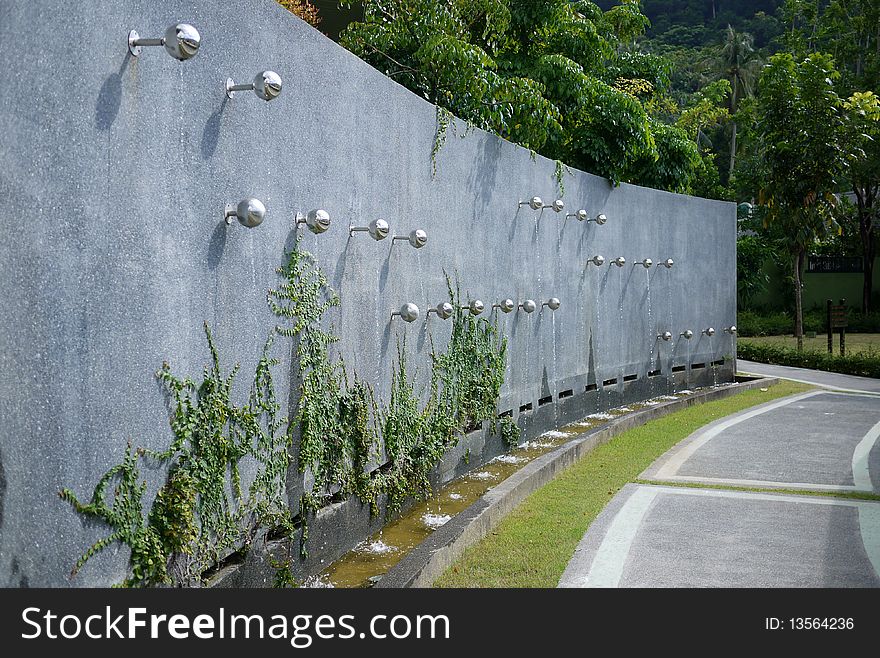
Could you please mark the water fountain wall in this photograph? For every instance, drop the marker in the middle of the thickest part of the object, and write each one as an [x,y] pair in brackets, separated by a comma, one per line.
[115,172]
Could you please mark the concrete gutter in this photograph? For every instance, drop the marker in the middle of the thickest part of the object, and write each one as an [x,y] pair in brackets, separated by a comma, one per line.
[427,561]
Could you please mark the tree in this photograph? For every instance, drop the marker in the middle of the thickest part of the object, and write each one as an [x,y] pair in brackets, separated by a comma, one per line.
[302,8]
[800,121]
[740,65]
[562,78]
[862,139]
[850,31]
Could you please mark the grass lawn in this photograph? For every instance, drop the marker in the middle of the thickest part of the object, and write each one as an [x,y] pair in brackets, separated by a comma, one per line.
[854,342]
[533,544]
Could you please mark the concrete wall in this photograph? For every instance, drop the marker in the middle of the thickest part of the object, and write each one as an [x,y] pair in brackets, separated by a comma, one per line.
[115,171]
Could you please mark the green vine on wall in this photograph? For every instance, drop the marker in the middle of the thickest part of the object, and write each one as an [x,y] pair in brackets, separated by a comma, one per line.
[444,118]
[200,514]
[336,441]
[466,380]
[559,177]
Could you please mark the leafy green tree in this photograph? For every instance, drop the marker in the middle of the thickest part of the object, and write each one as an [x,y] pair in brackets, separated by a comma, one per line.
[800,121]
[861,137]
[562,78]
[850,31]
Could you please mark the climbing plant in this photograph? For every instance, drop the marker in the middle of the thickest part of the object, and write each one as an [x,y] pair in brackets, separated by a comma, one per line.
[201,513]
[336,440]
[466,380]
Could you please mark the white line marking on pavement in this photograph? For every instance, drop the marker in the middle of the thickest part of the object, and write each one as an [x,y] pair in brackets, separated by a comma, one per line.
[608,563]
[674,463]
[610,558]
[734,482]
[757,495]
[861,473]
[869,526]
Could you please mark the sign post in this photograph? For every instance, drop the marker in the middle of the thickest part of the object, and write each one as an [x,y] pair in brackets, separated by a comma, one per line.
[836,319]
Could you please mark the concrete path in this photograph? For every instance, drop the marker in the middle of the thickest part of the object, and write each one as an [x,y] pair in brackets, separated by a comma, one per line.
[655,535]
[830,380]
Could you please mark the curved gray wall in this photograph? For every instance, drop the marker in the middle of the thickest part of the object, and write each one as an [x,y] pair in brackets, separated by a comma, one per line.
[114,172]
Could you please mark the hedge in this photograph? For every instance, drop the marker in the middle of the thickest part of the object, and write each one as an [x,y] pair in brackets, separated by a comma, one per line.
[864,364]
[781,323]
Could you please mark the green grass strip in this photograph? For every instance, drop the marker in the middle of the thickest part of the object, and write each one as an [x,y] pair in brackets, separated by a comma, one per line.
[533,544]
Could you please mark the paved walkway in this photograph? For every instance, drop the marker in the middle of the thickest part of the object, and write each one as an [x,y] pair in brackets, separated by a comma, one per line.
[830,380]
[657,535]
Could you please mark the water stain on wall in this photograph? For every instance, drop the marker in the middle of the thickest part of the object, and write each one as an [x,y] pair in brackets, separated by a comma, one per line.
[2,489]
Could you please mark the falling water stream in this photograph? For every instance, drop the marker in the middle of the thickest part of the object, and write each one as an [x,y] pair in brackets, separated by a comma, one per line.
[651,333]
[670,380]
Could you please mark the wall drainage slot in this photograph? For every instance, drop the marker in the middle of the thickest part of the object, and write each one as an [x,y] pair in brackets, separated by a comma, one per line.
[546,400]
[654,373]
[506,414]
[565,394]
[609,382]
[697,366]
[630,378]
[590,387]
[525,407]
[719,362]
[677,368]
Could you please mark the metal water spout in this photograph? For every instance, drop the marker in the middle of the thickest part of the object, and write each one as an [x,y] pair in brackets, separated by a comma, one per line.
[409,312]
[250,212]
[475,307]
[620,261]
[417,238]
[506,305]
[598,260]
[730,330]
[581,215]
[668,263]
[666,335]
[317,221]
[535,203]
[181,41]
[528,306]
[444,310]
[708,331]
[687,334]
[644,263]
[599,219]
[378,229]
[266,85]
[556,206]
[553,303]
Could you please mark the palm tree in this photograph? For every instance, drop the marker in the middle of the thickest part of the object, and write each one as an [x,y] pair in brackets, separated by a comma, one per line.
[739,63]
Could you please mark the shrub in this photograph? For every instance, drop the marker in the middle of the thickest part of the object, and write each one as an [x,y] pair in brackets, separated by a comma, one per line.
[865,364]
[780,323]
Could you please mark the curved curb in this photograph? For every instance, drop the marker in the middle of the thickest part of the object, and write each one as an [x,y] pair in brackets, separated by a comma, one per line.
[427,561]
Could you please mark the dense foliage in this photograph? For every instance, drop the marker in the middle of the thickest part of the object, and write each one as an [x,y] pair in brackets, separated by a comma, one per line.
[562,78]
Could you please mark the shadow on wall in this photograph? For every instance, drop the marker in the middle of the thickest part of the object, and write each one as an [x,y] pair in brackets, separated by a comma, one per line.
[110,97]
[211,132]
[217,245]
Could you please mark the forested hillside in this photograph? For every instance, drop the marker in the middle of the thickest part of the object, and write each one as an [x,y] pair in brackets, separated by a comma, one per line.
[701,22]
